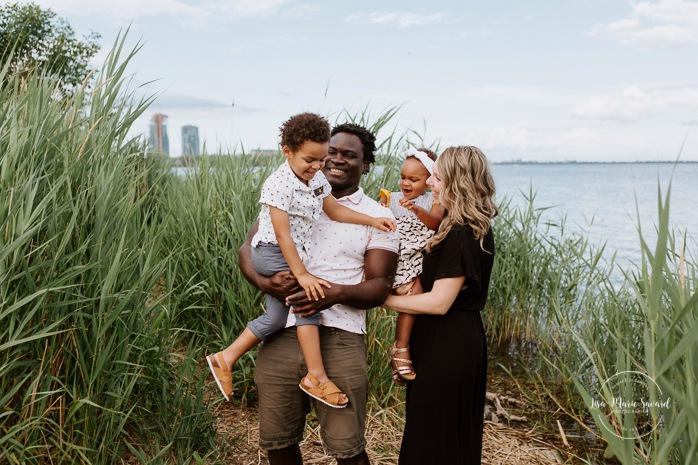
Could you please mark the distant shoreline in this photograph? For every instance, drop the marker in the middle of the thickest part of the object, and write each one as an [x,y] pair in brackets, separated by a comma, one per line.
[188,161]
[574,162]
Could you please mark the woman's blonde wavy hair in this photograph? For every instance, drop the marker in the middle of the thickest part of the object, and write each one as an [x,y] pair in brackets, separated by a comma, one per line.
[467,193]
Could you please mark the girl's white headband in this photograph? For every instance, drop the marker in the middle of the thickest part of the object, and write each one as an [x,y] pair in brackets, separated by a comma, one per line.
[423,157]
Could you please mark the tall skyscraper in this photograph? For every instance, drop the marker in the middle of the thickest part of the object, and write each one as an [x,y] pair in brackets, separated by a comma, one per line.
[190,141]
[159,142]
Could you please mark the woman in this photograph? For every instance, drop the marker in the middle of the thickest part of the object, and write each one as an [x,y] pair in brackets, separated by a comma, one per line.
[445,402]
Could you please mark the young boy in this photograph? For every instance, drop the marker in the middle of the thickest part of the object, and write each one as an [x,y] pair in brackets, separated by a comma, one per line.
[291,200]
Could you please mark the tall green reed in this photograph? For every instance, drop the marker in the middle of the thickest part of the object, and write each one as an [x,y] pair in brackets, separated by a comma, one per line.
[85,346]
[652,334]
[539,267]
[212,207]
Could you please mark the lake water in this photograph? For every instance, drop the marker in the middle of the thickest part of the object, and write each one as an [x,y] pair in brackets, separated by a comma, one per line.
[599,199]
[602,199]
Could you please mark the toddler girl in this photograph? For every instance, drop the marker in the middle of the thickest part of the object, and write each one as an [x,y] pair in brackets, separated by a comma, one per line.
[291,199]
[417,219]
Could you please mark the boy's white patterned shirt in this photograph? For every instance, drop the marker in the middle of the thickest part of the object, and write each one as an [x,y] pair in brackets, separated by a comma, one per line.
[283,190]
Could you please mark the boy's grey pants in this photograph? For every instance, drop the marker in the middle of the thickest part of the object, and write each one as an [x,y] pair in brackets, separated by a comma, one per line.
[267,260]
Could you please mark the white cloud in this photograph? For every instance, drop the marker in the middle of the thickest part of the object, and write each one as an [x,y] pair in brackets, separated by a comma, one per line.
[525,136]
[171,100]
[397,18]
[677,96]
[518,137]
[635,103]
[629,32]
[661,23]
[508,20]
[630,105]
[306,9]
[672,11]
[520,95]
[249,7]
[196,10]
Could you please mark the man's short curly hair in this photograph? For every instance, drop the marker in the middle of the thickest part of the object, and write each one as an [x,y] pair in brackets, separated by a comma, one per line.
[304,127]
[368,140]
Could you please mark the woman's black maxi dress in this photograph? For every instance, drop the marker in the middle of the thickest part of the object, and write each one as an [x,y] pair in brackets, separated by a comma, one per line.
[445,403]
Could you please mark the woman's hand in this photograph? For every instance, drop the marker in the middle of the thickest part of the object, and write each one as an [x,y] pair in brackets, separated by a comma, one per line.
[435,302]
[312,286]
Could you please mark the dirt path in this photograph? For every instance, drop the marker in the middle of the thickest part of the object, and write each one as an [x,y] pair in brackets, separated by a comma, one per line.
[238,428]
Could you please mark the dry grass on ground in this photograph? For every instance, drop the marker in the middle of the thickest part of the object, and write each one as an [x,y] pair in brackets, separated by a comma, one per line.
[239,432]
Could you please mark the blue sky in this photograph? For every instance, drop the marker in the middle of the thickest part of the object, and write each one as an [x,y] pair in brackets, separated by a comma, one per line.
[601,80]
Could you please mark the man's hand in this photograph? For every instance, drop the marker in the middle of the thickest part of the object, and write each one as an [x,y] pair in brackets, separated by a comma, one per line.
[279,284]
[303,306]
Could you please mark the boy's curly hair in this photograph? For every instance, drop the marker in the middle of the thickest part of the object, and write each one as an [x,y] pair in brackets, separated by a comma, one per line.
[304,127]
[368,140]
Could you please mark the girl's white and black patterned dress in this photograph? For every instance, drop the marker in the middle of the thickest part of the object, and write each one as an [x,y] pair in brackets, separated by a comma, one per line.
[413,237]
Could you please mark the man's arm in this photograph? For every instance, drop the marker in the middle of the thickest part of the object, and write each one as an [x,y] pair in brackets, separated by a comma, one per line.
[279,284]
[379,272]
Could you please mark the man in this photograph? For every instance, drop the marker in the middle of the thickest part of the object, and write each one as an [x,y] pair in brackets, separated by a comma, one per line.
[360,262]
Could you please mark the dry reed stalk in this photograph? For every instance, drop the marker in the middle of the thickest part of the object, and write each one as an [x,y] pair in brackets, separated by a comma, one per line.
[682,273]
[9,211]
[562,434]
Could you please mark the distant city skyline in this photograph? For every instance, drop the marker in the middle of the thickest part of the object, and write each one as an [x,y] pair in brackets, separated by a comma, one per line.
[586,80]
[190,141]
[159,141]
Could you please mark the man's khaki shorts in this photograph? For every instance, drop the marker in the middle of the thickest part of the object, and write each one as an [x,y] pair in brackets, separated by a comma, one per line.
[283,406]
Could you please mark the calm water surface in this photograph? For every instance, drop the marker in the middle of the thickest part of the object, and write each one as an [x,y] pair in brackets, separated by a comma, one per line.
[603,199]
[600,199]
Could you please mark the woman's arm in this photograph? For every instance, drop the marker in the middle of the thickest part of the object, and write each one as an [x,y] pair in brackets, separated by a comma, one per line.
[435,302]
[340,213]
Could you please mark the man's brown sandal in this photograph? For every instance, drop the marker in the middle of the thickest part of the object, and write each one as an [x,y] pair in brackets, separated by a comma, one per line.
[327,393]
[405,371]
